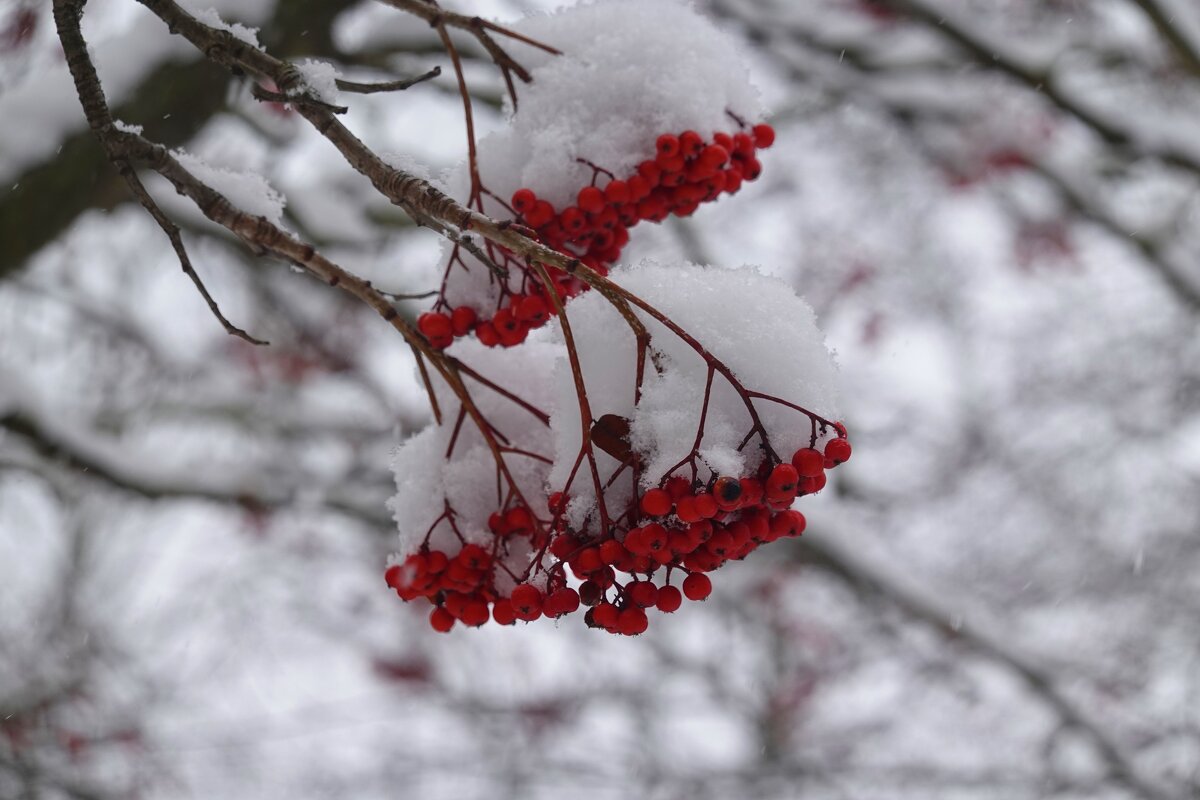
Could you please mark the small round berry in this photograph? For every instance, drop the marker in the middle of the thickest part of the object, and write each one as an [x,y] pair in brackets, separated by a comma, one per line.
[441,620]
[487,334]
[764,135]
[612,551]
[588,561]
[632,621]
[728,493]
[561,602]
[690,144]
[642,593]
[532,309]
[669,599]
[518,520]
[782,482]
[590,593]
[523,200]
[462,320]
[591,200]
[564,546]
[686,510]
[540,215]
[697,586]
[475,613]
[606,615]
[667,146]
[787,523]
[526,601]
[808,462]
[616,193]
[706,505]
[838,450]
[503,612]
[656,503]
[714,157]
[572,219]
[435,325]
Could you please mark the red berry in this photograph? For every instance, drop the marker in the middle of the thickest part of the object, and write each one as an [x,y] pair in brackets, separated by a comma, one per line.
[812,485]
[639,188]
[612,551]
[562,547]
[590,593]
[838,450]
[686,510]
[667,146]
[656,537]
[589,560]
[518,520]
[714,157]
[642,593]
[727,492]
[523,200]
[392,576]
[616,193]
[606,615]
[632,621]
[690,144]
[572,219]
[591,200]
[437,561]
[697,586]
[475,613]
[656,503]
[487,335]
[706,505]
[526,601]
[561,602]
[435,325]
[787,523]
[441,620]
[782,483]
[503,612]
[540,215]
[764,135]
[808,462]
[462,320]
[532,309]
[669,599]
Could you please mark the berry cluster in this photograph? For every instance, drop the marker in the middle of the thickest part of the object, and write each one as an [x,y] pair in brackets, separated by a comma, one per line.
[683,526]
[686,171]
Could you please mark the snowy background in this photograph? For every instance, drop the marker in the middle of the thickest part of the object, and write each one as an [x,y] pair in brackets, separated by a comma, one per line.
[992,208]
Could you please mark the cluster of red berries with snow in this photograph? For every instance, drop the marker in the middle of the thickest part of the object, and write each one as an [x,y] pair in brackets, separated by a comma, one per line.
[686,171]
[650,431]
[677,529]
[594,148]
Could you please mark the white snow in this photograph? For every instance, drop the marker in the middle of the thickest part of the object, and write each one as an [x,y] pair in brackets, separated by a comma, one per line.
[321,78]
[426,479]
[618,85]
[247,191]
[754,324]
[211,18]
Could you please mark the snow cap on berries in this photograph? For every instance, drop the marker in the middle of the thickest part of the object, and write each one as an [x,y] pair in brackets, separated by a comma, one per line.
[630,71]
[754,324]
[427,479]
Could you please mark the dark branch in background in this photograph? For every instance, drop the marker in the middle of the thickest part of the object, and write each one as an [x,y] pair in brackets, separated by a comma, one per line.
[390,86]
[66,17]
[50,195]
[58,446]
[851,60]
[867,582]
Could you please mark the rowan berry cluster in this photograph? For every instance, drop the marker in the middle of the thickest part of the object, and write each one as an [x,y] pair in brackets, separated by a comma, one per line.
[683,527]
[686,170]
